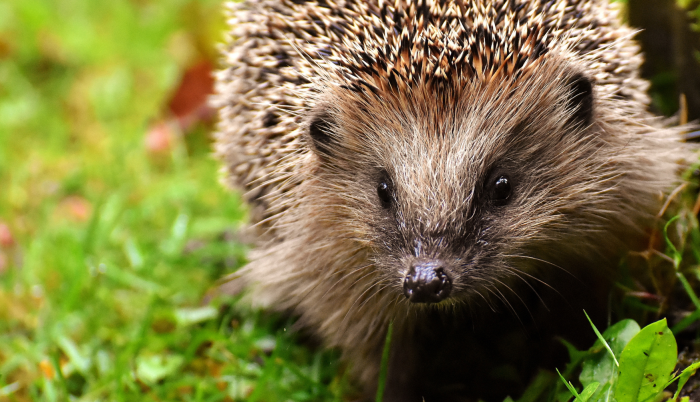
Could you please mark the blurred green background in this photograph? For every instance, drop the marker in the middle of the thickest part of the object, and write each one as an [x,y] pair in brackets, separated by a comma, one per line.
[113,225]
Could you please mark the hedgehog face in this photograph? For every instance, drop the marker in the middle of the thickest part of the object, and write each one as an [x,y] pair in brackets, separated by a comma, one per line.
[436,249]
[458,192]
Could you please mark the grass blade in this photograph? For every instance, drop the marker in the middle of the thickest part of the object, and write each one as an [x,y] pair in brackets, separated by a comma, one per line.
[568,385]
[385,364]
[602,340]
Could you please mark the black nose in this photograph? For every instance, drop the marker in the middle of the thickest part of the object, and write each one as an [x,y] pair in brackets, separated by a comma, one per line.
[427,282]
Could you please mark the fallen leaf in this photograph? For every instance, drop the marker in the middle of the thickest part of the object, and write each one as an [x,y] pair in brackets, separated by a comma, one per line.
[6,239]
[189,102]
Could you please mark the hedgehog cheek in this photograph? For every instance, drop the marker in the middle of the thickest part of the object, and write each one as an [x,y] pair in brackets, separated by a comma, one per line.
[580,101]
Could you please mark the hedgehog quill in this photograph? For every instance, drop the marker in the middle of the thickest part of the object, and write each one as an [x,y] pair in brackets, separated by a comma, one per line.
[422,162]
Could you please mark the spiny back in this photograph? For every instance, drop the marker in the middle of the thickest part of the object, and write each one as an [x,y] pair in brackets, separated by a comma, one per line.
[280,48]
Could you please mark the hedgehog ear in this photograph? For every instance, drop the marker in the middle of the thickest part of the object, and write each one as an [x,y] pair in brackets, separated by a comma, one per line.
[580,101]
[321,133]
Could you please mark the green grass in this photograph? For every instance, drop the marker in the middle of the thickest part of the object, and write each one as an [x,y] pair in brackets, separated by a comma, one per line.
[115,245]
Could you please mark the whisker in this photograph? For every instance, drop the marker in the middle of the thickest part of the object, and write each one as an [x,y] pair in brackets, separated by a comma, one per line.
[516,272]
[354,303]
[485,300]
[504,299]
[375,293]
[353,272]
[519,298]
[543,261]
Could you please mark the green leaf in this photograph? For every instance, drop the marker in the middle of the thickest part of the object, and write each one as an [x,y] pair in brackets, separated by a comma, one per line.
[605,393]
[575,356]
[646,364]
[587,392]
[190,316]
[151,369]
[599,366]
[619,335]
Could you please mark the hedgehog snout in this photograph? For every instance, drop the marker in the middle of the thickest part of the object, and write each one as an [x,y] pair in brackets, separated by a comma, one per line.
[427,282]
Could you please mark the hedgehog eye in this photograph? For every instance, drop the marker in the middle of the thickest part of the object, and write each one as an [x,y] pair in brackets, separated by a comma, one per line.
[501,191]
[384,193]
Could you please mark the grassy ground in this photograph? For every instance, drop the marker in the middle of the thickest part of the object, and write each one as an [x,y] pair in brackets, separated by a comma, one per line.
[113,225]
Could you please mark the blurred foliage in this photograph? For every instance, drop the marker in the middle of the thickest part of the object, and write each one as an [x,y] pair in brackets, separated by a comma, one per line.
[112,223]
[670,39]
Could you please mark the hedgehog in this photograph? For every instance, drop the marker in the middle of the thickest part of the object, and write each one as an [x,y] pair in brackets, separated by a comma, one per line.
[430,165]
